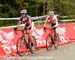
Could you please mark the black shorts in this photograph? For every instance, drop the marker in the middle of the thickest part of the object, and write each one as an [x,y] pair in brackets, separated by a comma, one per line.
[27,25]
[53,24]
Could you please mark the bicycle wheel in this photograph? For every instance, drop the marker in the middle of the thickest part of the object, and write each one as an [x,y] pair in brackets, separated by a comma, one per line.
[56,41]
[21,46]
[49,42]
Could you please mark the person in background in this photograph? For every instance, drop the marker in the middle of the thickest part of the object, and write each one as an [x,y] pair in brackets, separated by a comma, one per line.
[53,19]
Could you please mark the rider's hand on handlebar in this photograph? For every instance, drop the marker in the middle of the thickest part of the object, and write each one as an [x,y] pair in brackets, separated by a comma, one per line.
[15,28]
[44,28]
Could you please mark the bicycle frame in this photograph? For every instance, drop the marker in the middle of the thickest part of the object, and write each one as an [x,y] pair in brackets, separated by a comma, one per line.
[50,29]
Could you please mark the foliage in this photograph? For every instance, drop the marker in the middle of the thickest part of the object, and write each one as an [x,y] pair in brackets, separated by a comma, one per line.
[11,8]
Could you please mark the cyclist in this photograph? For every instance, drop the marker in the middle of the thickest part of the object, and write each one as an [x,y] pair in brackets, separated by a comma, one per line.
[25,19]
[54,23]
[53,19]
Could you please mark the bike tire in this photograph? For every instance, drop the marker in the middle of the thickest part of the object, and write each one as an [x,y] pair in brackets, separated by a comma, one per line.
[56,41]
[49,42]
[21,47]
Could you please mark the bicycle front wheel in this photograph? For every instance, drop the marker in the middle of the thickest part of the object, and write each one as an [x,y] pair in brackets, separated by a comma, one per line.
[49,42]
[21,47]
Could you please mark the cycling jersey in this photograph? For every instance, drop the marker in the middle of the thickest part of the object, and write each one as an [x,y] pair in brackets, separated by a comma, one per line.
[53,20]
[25,20]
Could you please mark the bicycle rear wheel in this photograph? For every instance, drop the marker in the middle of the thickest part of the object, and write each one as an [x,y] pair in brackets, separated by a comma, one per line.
[21,46]
[49,42]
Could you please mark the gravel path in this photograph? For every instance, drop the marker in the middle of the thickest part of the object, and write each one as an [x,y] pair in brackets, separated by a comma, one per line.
[65,52]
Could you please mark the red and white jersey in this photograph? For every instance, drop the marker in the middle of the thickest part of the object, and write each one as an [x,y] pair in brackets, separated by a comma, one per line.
[53,19]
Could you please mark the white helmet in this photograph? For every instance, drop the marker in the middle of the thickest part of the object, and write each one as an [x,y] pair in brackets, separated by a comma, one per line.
[23,11]
[51,13]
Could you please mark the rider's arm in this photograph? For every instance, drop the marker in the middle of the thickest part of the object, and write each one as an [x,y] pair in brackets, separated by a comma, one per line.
[30,23]
[46,21]
[18,23]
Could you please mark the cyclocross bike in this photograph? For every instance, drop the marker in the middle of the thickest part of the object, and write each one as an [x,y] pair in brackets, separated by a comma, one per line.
[22,44]
[51,39]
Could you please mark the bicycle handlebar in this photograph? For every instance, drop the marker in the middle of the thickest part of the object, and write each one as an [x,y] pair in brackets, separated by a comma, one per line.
[47,29]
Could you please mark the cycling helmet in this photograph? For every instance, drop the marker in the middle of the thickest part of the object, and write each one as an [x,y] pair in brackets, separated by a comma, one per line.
[51,13]
[23,11]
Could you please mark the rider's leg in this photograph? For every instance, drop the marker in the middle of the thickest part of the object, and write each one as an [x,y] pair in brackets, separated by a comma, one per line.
[54,33]
[56,42]
[31,38]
